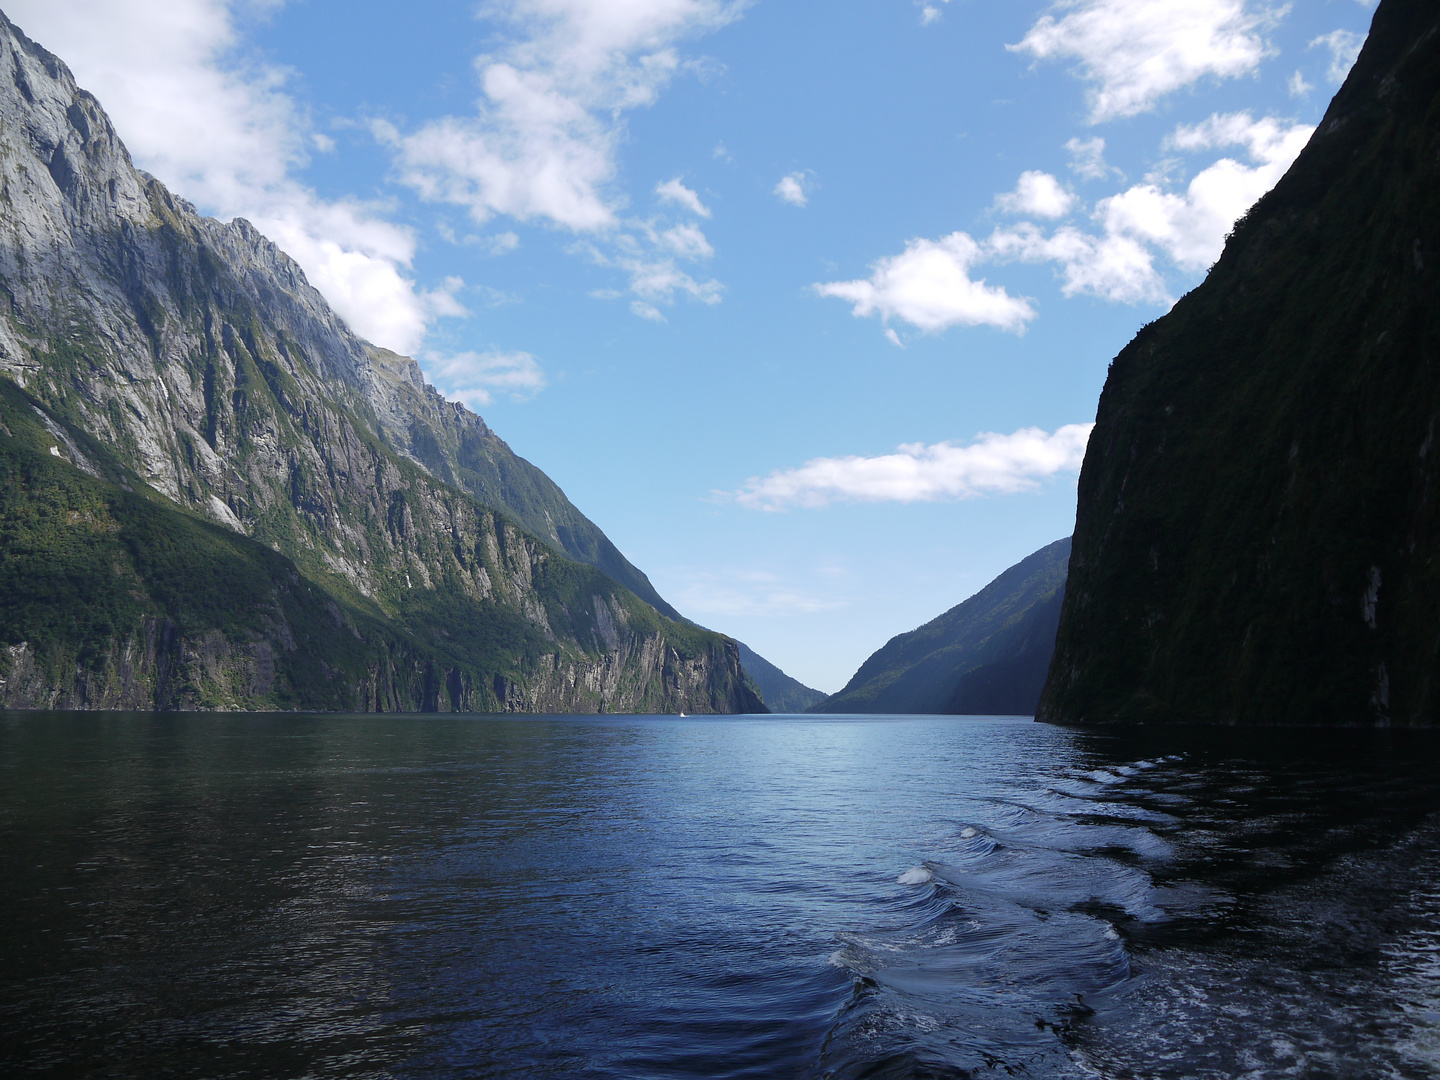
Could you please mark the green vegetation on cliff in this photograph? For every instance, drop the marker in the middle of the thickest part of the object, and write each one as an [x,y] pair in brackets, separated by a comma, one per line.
[1258,534]
[114,597]
[987,655]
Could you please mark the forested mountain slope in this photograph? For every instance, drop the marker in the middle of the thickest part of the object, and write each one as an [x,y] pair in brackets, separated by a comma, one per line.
[782,694]
[987,655]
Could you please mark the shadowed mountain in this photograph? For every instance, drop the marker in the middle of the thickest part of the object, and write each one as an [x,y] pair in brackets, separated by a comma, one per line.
[987,655]
[1258,533]
[782,694]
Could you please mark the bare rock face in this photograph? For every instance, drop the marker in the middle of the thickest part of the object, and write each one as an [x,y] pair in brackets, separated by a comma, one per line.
[192,358]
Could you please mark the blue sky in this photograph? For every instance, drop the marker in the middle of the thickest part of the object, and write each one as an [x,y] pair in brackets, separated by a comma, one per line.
[807,305]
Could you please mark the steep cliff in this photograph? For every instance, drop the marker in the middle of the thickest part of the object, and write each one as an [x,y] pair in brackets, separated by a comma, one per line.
[987,655]
[194,360]
[1259,509]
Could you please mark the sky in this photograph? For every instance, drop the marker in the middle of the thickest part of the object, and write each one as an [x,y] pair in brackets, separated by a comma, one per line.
[807,305]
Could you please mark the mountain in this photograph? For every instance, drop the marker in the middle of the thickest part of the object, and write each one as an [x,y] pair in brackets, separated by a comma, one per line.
[215,495]
[781,693]
[987,655]
[1258,533]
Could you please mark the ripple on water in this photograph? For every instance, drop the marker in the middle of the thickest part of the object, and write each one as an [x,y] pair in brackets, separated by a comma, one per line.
[622,897]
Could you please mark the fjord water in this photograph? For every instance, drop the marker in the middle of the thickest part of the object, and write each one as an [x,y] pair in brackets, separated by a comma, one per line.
[296,896]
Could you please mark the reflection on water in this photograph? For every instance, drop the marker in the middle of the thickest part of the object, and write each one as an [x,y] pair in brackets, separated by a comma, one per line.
[242,896]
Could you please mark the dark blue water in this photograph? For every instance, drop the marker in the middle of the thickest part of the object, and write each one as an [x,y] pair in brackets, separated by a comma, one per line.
[242,896]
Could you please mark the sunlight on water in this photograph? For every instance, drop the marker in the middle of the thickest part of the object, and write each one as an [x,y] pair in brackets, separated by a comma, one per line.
[243,896]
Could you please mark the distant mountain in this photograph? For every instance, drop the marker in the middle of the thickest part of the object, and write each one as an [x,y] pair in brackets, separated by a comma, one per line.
[214,495]
[782,694]
[1258,534]
[987,655]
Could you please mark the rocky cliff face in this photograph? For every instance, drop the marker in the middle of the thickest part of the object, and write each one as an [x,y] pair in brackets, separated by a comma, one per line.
[200,364]
[1258,536]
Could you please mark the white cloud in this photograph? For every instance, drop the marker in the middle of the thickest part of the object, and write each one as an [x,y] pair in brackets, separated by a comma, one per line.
[750,593]
[1267,139]
[687,241]
[475,378]
[648,257]
[225,135]
[1037,194]
[525,174]
[501,243]
[542,141]
[1298,86]
[676,192]
[929,13]
[1113,267]
[993,464]
[929,286]
[791,188]
[1087,158]
[1191,227]
[1344,46]
[1146,220]
[1134,52]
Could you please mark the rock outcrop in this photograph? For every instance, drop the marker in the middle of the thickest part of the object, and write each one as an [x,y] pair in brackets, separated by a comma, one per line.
[154,350]
[1258,535]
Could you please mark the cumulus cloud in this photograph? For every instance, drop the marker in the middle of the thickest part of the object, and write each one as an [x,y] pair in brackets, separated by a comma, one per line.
[475,378]
[929,286]
[1344,46]
[791,188]
[687,241]
[541,143]
[525,175]
[1134,52]
[993,464]
[676,192]
[224,134]
[1038,194]
[1147,221]
[1113,267]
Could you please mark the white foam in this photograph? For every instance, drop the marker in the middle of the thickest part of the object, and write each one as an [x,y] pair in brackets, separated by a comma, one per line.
[968,832]
[917,876]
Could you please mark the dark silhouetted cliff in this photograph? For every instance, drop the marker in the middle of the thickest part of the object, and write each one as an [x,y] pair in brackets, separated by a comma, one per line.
[1258,534]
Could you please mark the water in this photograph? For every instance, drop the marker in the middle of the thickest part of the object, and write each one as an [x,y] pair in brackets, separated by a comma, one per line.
[243,896]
